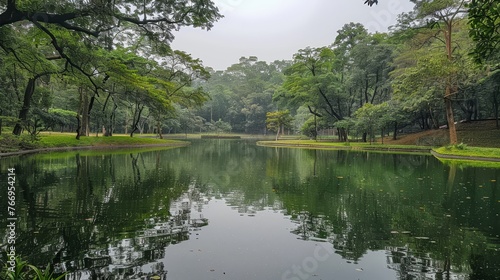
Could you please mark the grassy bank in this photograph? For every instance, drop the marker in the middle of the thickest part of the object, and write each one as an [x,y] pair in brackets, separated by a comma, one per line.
[10,143]
[345,146]
[472,152]
[451,153]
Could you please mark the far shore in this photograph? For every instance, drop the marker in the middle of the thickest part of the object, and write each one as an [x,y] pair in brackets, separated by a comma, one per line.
[449,153]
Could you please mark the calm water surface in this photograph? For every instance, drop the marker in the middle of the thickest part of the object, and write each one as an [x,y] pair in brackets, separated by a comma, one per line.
[228,209]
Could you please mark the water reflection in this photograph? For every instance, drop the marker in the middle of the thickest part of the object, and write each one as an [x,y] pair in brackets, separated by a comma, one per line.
[138,215]
[127,258]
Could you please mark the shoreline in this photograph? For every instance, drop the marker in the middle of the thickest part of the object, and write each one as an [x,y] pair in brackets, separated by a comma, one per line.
[468,158]
[387,148]
[96,147]
[271,144]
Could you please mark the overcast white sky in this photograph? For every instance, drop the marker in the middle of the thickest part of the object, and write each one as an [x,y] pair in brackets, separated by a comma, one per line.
[276,29]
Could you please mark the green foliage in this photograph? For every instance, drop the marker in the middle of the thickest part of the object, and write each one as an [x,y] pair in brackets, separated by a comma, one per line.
[12,143]
[45,274]
[242,94]
[220,126]
[25,271]
[20,270]
[461,146]
[468,151]
[278,121]
[484,19]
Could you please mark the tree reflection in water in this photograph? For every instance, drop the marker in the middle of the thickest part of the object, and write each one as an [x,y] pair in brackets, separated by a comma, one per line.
[106,216]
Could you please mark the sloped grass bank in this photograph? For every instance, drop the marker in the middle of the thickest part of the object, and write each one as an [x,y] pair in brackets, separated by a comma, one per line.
[461,152]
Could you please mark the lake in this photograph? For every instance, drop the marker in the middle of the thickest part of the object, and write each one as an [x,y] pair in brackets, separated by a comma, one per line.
[229,209]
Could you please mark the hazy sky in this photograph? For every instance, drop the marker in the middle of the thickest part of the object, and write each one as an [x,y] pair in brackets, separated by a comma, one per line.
[276,29]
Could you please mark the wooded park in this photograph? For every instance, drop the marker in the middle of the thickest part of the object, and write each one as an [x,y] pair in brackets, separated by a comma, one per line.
[100,68]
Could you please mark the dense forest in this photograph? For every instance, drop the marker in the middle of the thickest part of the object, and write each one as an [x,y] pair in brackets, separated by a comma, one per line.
[100,67]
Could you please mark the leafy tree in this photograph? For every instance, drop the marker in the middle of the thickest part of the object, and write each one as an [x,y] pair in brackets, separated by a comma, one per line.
[441,16]
[484,19]
[156,19]
[313,82]
[371,118]
[242,94]
[278,121]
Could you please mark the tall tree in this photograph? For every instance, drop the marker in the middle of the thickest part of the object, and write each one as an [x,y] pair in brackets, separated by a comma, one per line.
[313,81]
[441,16]
[278,121]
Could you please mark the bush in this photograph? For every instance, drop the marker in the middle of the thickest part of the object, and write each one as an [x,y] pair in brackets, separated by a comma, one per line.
[12,143]
[461,146]
[23,270]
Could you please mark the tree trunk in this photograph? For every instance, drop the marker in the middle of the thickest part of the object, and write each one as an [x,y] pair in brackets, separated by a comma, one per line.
[394,136]
[158,129]
[495,107]
[364,137]
[449,116]
[78,126]
[23,113]
[84,112]
[137,116]
[1,124]
[447,95]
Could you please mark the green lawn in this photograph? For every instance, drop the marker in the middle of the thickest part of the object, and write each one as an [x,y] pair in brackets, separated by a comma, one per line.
[62,140]
[470,151]
[10,143]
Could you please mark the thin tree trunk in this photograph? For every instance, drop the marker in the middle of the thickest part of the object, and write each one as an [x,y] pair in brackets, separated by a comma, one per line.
[78,126]
[447,95]
[84,112]
[23,113]
[449,116]
[1,124]
[394,136]
[138,112]
[158,129]
[495,106]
